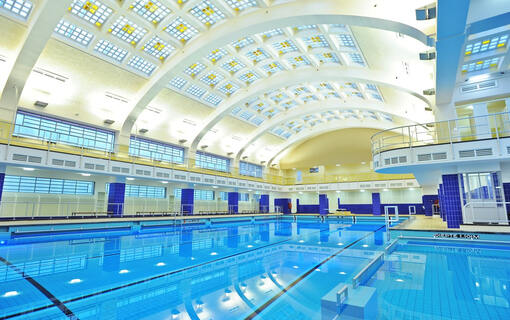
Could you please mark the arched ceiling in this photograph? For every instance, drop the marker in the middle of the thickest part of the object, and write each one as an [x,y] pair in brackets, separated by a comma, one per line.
[246,78]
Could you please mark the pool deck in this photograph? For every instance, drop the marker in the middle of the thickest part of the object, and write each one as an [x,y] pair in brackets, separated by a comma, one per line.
[435,223]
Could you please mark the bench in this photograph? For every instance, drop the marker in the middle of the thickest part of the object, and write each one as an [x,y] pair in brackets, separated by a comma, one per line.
[156,213]
[91,213]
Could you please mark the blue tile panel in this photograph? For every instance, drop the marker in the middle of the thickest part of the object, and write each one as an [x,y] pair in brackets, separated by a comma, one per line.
[441,202]
[2,178]
[307,208]
[323,204]
[116,194]
[187,201]
[284,203]
[403,208]
[428,202]
[506,192]
[376,203]
[264,203]
[451,199]
[233,202]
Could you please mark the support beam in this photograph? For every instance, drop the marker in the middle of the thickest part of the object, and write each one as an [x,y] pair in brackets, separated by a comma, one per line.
[45,17]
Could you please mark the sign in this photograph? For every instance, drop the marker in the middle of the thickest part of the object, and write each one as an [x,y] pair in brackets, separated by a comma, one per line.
[457,236]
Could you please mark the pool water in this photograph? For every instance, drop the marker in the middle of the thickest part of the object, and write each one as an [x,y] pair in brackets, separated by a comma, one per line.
[270,269]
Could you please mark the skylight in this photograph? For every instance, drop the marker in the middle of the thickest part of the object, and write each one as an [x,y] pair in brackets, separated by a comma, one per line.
[233,65]
[141,65]
[271,33]
[194,69]
[328,57]
[72,32]
[285,46]
[299,61]
[306,27]
[279,97]
[318,41]
[240,5]
[212,78]
[272,67]
[243,42]
[345,40]
[246,115]
[235,110]
[151,10]
[207,13]
[249,77]
[158,48]
[229,88]
[216,55]
[259,106]
[127,30]
[93,12]
[257,55]
[493,43]
[20,8]
[181,30]
[356,58]
[257,121]
[178,82]
[196,91]
[481,65]
[213,99]
[110,50]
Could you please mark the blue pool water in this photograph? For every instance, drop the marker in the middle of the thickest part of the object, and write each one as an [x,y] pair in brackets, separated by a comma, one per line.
[271,269]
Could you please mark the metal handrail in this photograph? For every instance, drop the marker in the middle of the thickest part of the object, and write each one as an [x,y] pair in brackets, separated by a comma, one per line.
[497,125]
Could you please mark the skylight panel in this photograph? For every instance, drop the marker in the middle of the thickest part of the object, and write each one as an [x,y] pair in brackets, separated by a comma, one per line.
[196,91]
[285,46]
[371,86]
[351,85]
[127,30]
[246,115]
[493,43]
[110,50]
[309,117]
[240,5]
[257,55]
[386,116]
[289,104]
[299,61]
[309,98]
[213,99]
[158,48]
[207,13]
[257,121]
[324,86]
[287,135]
[356,58]
[357,94]
[181,30]
[229,88]
[141,65]
[273,67]
[235,110]
[318,41]
[194,69]
[212,78]
[249,77]
[178,82]
[328,57]
[20,8]
[74,33]
[278,131]
[93,12]
[151,10]
[481,65]
[259,106]
[280,97]
[333,94]
[216,55]
[233,65]
[271,113]
[345,40]
[306,27]
[299,90]
[243,42]
[271,33]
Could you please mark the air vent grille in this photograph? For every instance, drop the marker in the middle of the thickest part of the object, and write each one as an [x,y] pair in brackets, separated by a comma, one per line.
[479,86]
[424,157]
[57,162]
[439,156]
[484,152]
[70,164]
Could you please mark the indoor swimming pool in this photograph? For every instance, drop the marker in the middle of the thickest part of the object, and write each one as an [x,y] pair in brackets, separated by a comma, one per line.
[262,269]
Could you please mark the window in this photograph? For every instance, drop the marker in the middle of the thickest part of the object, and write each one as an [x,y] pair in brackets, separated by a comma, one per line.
[200,195]
[213,162]
[47,185]
[156,150]
[244,197]
[139,191]
[19,8]
[66,132]
[223,196]
[250,169]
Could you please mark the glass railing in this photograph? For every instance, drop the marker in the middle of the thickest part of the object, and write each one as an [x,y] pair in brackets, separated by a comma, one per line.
[492,126]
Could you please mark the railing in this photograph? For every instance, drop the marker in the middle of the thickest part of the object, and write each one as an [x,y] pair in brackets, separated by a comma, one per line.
[492,126]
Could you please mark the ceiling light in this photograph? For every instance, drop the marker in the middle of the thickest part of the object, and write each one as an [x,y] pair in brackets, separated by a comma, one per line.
[142,131]
[214,253]
[338,164]
[10,294]
[164,182]
[123,271]
[74,281]
[160,264]
[85,174]
[41,104]
[109,121]
[215,187]
[28,169]
[130,179]
[182,141]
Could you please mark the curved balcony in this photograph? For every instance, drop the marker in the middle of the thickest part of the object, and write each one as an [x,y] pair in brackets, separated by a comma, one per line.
[471,138]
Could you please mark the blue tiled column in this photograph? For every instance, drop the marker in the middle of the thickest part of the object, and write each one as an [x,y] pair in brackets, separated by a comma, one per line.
[323,204]
[428,201]
[506,192]
[338,202]
[233,202]
[116,194]
[452,201]
[376,204]
[2,178]
[284,204]
[264,203]
[441,202]
[187,201]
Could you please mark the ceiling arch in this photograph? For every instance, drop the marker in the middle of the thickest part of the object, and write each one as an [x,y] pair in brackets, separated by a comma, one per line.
[353,12]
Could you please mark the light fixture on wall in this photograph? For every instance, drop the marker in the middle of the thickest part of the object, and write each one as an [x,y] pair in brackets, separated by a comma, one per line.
[229,153]
[182,141]
[143,131]
[41,104]
[245,157]
[109,122]
[204,146]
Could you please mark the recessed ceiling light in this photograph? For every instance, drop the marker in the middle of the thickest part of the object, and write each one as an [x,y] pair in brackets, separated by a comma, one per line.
[85,174]
[338,164]
[74,281]
[130,179]
[28,169]
[123,271]
[363,162]
[160,264]
[165,182]
[9,294]
[214,253]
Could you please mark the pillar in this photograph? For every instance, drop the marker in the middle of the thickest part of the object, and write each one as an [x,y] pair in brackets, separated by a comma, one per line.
[264,203]
[323,204]
[116,196]
[233,202]
[428,202]
[441,202]
[452,201]
[284,204]
[2,178]
[376,204]
[187,201]
[506,193]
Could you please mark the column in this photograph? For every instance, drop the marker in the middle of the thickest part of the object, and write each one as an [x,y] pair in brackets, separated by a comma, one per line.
[452,201]
[506,193]
[2,178]
[187,201]
[284,204]
[116,195]
[428,201]
[376,204]
[264,203]
[233,202]
[441,202]
[323,204]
